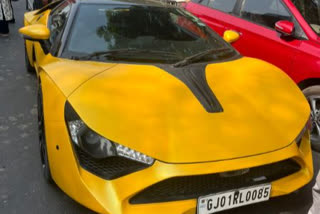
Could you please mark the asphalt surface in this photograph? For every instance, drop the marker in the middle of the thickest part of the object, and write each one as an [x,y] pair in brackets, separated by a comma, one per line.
[22,188]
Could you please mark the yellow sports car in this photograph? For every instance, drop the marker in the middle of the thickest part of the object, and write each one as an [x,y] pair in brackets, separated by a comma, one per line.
[144,109]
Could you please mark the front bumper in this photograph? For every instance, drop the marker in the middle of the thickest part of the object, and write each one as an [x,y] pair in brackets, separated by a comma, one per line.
[113,196]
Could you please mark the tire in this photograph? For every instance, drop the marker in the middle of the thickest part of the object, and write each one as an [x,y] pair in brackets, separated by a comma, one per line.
[29,67]
[312,94]
[42,141]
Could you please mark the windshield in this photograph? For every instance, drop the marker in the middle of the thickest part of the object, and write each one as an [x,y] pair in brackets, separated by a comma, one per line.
[310,10]
[149,33]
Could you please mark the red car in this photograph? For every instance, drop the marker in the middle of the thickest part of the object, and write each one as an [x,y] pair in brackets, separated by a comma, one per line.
[285,33]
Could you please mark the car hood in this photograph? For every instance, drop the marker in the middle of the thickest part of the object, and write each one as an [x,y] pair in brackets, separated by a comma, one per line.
[68,75]
[148,109]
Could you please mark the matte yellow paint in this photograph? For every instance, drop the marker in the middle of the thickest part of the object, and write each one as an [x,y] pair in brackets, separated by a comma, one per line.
[151,111]
[35,32]
[114,82]
[66,70]
[147,109]
[231,36]
[112,197]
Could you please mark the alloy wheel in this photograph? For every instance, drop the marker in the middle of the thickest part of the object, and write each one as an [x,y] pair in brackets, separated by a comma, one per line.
[314,102]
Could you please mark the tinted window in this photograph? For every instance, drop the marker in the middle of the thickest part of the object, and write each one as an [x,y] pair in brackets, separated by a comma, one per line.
[264,12]
[223,5]
[204,2]
[58,20]
[310,10]
[164,33]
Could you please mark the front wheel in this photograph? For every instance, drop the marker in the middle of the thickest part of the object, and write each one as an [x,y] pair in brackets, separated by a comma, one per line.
[42,140]
[312,94]
[28,65]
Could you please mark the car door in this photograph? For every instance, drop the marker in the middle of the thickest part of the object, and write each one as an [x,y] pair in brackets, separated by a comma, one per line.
[307,61]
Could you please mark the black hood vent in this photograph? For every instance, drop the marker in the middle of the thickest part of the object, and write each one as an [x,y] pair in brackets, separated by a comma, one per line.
[194,76]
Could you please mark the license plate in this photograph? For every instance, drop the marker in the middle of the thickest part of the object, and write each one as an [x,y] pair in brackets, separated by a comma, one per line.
[234,198]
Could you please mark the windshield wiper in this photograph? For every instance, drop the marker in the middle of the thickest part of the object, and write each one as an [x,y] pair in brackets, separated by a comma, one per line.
[126,51]
[197,57]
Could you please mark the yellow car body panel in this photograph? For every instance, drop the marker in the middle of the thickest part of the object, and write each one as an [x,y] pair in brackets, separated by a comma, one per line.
[146,108]
[112,196]
[69,74]
[149,110]
[63,165]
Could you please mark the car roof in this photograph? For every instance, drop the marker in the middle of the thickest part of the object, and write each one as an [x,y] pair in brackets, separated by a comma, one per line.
[155,3]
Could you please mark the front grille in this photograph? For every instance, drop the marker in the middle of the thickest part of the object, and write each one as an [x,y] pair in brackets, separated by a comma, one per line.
[108,168]
[191,187]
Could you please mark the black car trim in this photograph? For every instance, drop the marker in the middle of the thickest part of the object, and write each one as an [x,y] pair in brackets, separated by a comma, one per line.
[194,77]
[194,186]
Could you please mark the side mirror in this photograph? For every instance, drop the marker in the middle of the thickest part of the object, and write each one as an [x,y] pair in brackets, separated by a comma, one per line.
[286,28]
[231,36]
[36,32]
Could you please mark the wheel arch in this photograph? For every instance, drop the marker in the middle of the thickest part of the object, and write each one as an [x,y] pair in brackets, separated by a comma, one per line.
[30,52]
[308,82]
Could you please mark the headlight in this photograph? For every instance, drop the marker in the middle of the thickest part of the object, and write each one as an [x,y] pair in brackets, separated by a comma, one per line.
[97,146]
[89,141]
[134,155]
[100,147]
[307,127]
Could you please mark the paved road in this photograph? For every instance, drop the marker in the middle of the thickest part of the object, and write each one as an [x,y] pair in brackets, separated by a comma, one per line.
[22,189]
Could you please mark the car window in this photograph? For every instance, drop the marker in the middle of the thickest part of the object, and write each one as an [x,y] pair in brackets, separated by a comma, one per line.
[226,6]
[203,2]
[58,20]
[164,34]
[310,10]
[264,12]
